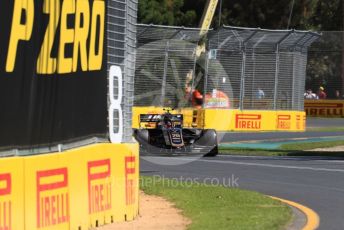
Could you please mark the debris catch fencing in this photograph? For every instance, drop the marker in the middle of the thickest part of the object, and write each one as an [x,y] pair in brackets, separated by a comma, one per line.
[165,56]
[121,41]
[256,69]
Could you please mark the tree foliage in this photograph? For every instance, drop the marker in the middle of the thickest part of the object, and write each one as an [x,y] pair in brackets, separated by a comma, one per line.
[328,15]
[165,12]
[271,14]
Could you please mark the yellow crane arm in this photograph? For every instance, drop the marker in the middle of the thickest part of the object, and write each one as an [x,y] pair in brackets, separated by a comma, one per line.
[207,18]
[208,15]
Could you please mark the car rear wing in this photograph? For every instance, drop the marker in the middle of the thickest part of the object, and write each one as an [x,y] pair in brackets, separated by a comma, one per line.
[151,121]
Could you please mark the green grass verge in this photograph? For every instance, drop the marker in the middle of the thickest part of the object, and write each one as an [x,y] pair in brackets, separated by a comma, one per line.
[311,145]
[252,152]
[294,149]
[217,207]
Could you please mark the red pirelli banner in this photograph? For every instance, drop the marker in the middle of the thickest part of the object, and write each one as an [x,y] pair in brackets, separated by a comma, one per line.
[324,108]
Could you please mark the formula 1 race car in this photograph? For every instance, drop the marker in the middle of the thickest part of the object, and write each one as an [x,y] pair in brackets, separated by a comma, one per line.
[164,134]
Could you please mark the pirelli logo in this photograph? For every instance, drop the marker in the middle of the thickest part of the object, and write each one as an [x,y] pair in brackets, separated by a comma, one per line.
[5,202]
[324,109]
[130,182]
[99,185]
[284,122]
[52,197]
[300,122]
[248,121]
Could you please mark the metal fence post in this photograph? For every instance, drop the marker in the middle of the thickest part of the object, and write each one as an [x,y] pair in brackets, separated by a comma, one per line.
[163,87]
[276,76]
[277,67]
[243,67]
[206,69]
[194,71]
[242,83]
[293,85]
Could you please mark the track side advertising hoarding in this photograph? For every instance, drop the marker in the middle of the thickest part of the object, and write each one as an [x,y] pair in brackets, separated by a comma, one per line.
[55,88]
[11,193]
[53,72]
[228,120]
[324,108]
[66,191]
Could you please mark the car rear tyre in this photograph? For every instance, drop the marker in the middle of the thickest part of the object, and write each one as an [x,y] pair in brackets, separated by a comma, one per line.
[212,152]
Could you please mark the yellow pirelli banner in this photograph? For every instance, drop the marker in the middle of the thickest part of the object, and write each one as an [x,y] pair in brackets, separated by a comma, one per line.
[324,108]
[254,121]
[11,193]
[77,189]
[233,119]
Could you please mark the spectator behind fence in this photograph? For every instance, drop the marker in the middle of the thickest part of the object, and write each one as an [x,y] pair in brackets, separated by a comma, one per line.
[310,95]
[338,96]
[260,94]
[321,93]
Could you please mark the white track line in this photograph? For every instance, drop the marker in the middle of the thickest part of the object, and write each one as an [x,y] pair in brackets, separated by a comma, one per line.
[260,165]
[281,158]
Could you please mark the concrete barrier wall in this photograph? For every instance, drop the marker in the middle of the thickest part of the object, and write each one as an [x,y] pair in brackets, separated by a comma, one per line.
[324,108]
[76,189]
[233,120]
[237,120]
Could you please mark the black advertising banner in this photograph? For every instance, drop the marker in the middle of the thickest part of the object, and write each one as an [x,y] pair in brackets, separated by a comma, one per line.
[53,77]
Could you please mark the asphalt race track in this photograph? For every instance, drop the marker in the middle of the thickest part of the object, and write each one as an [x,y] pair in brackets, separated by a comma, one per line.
[324,122]
[317,182]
